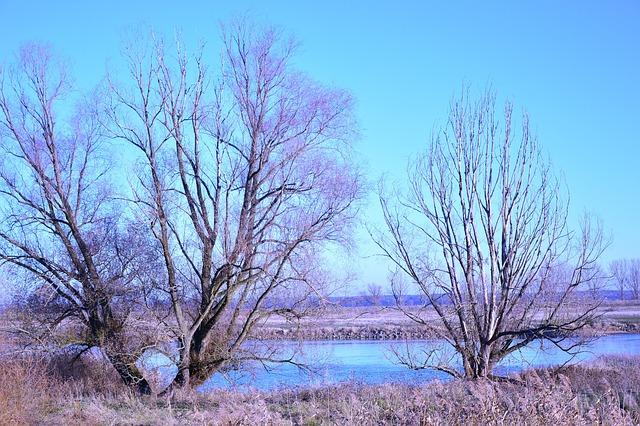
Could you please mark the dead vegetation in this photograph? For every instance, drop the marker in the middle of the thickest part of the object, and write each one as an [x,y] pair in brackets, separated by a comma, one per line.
[25,390]
[602,392]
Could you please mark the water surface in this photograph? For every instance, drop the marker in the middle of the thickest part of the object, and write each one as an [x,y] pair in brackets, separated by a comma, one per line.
[373,362]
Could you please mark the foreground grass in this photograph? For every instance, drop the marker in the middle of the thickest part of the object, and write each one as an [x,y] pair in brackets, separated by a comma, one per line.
[603,392]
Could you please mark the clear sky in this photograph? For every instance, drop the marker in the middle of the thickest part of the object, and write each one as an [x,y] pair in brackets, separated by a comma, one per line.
[574,65]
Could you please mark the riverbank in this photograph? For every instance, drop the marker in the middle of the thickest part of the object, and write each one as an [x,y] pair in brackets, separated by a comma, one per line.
[371,323]
[387,323]
[406,332]
[601,392]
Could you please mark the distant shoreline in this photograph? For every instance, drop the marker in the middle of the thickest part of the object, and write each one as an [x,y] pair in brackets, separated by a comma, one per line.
[385,323]
[310,333]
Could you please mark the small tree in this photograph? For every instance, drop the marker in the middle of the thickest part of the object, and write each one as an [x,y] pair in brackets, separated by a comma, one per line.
[626,275]
[244,181]
[482,233]
[600,282]
[618,270]
[374,294]
[58,227]
[634,278]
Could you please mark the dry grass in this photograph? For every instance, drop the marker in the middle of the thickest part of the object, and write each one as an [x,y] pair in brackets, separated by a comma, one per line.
[604,392]
[541,398]
[27,392]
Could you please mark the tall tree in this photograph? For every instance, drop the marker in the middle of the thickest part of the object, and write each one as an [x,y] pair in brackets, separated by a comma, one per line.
[244,178]
[58,226]
[482,233]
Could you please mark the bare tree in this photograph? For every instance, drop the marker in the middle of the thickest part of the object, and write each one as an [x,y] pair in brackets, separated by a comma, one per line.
[482,233]
[618,270]
[634,278]
[244,180]
[626,274]
[374,294]
[58,227]
[599,282]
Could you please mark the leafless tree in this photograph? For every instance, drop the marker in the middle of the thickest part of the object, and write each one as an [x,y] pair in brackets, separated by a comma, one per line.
[634,278]
[619,273]
[601,281]
[374,294]
[244,179]
[58,227]
[482,234]
[626,274]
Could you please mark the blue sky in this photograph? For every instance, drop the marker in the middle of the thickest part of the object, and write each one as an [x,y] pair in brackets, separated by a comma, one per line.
[574,66]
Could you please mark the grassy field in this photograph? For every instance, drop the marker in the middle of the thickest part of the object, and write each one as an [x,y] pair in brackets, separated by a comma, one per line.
[603,392]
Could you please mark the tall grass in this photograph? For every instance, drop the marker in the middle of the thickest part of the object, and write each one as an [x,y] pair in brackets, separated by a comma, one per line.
[603,392]
[584,395]
[28,393]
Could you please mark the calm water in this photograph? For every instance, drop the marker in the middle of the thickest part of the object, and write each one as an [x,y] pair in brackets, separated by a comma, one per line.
[373,362]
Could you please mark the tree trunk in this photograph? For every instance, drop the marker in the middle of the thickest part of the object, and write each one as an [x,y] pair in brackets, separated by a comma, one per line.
[478,364]
[130,375]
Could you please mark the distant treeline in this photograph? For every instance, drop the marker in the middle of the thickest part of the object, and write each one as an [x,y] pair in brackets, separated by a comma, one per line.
[416,299]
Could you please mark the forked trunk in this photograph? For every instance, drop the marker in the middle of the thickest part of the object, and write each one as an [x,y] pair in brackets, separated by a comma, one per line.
[478,364]
[196,365]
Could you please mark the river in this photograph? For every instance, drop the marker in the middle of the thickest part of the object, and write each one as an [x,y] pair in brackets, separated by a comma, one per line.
[373,362]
